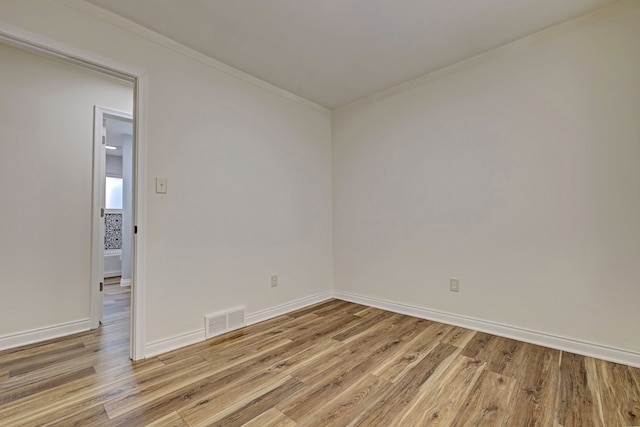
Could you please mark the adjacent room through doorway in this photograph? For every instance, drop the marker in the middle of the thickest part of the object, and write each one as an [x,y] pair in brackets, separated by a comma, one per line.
[46,125]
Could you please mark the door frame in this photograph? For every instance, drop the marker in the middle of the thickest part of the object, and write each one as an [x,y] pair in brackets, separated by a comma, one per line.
[54,49]
[100,114]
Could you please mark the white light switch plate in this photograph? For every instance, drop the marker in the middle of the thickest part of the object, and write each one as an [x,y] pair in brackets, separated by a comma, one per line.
[161,185]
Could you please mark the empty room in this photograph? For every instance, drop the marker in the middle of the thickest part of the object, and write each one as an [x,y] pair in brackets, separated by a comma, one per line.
[346,212]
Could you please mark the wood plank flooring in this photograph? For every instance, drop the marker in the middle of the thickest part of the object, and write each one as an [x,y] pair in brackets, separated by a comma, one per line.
[331,364]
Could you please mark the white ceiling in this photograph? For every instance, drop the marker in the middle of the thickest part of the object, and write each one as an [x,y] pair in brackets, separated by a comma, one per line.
[333,52]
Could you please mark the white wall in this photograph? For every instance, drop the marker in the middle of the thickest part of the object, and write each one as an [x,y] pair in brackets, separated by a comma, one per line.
[114,166]
[46,155]
[248,170]
[520,176]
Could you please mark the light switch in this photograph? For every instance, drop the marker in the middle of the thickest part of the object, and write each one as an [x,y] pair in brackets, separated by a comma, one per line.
[161,185]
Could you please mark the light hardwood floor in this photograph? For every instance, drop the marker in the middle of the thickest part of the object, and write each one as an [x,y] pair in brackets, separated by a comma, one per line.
[335,363]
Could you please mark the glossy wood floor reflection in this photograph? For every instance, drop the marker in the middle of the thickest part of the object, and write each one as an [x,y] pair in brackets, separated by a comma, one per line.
[335,364]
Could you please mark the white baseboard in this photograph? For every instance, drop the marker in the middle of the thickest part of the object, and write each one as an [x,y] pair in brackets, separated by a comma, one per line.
[113,273]
[125,282]
[183,340]
[43,334]
[279,310]
[618,355]
[172,343]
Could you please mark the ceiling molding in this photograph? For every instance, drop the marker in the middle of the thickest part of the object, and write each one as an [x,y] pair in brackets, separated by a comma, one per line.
[511,48]
[138,30]
[519,45]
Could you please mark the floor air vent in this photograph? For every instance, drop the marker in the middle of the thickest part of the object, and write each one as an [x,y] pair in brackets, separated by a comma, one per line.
[219,323]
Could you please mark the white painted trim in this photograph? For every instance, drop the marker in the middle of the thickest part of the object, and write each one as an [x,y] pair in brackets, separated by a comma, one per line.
[125,282]
[113,273]
[194,337]
[43,334]
[97,222]
[511,48]
[106,111]
[139,30]
[595,16]
[618,355]
[279,310]
[139,270]
[52,48]
[174,342]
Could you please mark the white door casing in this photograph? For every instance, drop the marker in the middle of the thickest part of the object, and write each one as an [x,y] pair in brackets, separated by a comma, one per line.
[98,211]
[97,215]
[50,48]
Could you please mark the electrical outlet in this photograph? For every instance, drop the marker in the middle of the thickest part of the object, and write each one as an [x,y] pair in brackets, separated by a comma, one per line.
[274,281]
[454,284]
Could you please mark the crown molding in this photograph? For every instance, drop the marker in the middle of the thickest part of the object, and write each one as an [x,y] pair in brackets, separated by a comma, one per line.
[598,15]
[147,34]
[527,42]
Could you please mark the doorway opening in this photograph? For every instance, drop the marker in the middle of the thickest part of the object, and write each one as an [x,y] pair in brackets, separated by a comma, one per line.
[113,237]
[54,49]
